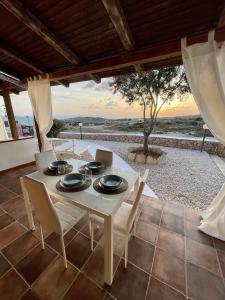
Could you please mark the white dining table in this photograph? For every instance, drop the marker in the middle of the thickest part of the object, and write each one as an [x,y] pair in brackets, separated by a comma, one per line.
[92,201]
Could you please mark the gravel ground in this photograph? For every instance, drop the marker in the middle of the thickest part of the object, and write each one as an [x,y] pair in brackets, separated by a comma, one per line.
[188,176]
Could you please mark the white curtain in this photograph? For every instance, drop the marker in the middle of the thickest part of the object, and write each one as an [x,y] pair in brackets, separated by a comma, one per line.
[205,69]
[3,133]
[39,91]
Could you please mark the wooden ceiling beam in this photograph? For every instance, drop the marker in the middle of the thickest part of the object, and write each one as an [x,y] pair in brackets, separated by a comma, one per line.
[160,52]
[8,51]
[14,82]
[24,15]
[221,20]
[17,9]
[116,14]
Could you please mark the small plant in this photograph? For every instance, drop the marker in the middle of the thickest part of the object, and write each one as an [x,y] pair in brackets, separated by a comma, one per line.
[56,128]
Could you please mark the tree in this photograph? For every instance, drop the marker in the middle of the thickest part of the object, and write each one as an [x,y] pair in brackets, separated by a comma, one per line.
[152,91]
[56,128]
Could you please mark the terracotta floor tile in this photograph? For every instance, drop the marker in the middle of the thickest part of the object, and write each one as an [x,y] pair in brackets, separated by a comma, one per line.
[15,207]
[84,289]
[174,208]
[219,244]
[5,220]
[151,216]
[45,230]
[94,268]
[30,295]
[4,265]
[108,297]
[173,222]
[129,284]
[15,187]
[169,269]
[171,242]
[24,220]
[118,244]
[10,233]
[53,239]
[55,280]
[149,204]
[204,285]
[160,291]
[98,232]
[194,233]
[192,216]
[83,221]
[221,256]
[148,232]
[32,265]
[202,255]
[2,212]
[22,245]
[6,195]
[141,253]
[12,286]
[78,250]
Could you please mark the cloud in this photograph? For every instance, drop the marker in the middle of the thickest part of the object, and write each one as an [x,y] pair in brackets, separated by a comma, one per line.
[89,84]
[104,86]
[108,103]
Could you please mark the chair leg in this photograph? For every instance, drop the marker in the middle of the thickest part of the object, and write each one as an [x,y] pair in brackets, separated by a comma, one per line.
[126,251]
[64,251]
[42,237]
[92,226]
[135,226]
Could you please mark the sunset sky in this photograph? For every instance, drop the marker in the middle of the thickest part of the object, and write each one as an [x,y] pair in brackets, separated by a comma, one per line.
[90,99]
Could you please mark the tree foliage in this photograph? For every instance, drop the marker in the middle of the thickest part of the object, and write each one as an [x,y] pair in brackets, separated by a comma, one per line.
[152,91]
[56,128]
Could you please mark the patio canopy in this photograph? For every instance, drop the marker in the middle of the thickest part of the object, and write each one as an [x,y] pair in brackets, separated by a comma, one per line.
[82,40]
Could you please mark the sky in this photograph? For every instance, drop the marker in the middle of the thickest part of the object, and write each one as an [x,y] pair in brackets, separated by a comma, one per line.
[97,100]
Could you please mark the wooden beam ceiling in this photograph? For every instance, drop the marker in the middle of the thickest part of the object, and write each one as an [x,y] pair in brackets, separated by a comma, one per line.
[118,19]
[19,57]
[168,52]
[8,51]
[14,82]
[24,15]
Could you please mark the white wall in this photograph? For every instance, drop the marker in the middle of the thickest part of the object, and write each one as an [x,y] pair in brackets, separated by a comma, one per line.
[15,153]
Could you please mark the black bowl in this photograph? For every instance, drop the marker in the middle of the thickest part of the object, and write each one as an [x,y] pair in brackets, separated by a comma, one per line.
[73,180]
[55,164]
[95,165]
[111,182]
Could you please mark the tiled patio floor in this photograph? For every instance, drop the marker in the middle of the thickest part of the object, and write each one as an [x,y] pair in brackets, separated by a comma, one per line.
[169,259]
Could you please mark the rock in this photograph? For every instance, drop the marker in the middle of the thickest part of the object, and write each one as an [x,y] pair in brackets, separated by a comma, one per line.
[140,158]
[131,156]
[151,160]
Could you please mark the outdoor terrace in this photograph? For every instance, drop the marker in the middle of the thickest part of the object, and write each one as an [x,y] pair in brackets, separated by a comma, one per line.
[169,258]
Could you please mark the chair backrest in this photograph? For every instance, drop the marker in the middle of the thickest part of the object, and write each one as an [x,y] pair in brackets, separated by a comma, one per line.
[104,156]
[38,196]
[43,159]
[137,200]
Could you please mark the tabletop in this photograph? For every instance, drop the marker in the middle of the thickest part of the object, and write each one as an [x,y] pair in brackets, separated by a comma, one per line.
[89,199]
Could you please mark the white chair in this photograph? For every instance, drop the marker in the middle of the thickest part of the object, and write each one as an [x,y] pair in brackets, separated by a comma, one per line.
[68,148]
[43,159]
[124,219]
[104,156]
[58,217]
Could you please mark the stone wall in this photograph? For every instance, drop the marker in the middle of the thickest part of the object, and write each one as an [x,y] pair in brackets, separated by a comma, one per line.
[210,146]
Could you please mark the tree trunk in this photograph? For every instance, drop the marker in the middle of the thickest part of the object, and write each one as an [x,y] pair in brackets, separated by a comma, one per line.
[146,135]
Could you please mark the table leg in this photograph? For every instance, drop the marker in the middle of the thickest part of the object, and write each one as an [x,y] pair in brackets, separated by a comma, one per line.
[27,205]
[108,249]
